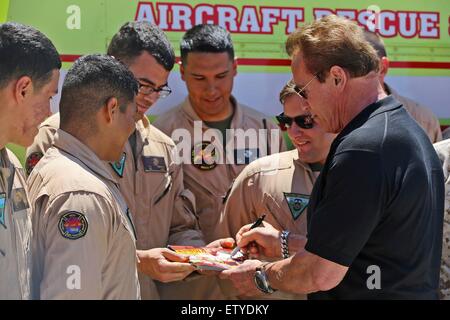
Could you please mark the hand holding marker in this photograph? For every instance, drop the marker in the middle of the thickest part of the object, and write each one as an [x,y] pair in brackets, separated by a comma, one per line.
[256,224]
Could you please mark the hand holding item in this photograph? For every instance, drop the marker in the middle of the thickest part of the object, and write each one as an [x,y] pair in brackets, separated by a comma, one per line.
[260,241]
[242,278]
[226,243]
[163,264]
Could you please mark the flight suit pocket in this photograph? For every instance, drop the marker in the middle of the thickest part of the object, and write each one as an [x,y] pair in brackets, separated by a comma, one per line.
[167,186]
[128,224]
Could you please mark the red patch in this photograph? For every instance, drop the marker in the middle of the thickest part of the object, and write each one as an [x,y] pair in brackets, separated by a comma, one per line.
[32,161]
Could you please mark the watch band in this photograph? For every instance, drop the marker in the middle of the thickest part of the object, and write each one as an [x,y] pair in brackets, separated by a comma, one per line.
[284,244]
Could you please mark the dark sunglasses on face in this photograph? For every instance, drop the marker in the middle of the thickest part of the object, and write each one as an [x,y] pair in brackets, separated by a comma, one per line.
[303,121]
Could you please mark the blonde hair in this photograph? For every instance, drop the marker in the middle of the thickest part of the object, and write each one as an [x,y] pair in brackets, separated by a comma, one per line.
[287,91]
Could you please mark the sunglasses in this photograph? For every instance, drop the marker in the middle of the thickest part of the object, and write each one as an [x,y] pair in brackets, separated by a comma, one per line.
[303,121]
[301,91]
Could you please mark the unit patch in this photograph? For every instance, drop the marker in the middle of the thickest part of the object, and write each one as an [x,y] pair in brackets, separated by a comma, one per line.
[2,209]
[297,203]
[73,225]
[204,155]
[119,166]
[32,161]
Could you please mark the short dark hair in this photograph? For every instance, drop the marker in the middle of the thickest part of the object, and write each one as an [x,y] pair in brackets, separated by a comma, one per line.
[135,37]
[25,51]
[207,38]
[376,42]
[89,84]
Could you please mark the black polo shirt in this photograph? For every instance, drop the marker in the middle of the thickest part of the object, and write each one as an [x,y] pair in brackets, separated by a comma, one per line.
[379,203]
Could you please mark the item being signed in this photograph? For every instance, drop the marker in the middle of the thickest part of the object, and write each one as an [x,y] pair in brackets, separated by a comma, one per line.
[211,259]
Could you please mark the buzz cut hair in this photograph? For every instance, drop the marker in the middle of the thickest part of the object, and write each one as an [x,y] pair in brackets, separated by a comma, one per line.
[25,51]
[206,38]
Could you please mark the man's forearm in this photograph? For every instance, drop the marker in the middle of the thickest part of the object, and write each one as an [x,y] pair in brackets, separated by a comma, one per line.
[296,243]
[294,274]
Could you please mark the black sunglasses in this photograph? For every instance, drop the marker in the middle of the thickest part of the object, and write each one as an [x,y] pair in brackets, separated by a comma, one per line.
[303,121]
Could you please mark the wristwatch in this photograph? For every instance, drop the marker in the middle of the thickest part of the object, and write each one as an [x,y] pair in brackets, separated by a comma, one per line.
[261,280]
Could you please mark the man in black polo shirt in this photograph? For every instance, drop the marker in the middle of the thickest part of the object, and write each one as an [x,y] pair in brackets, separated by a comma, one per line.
[375,213]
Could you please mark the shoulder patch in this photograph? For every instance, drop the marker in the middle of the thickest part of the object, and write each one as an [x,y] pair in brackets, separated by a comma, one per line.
[297,203]
[73,225]
[2,209]
[32,161]
[119,166]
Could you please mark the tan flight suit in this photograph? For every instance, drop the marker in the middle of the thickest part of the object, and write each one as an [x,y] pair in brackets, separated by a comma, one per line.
[210,184]
[83,237]
[15,230]
[278,186]
[162,209]
[443,151]
[424,116]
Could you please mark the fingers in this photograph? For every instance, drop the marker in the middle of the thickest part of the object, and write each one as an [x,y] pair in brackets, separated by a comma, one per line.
[248,237]
[241,231]
[168,271]
[227,243]
[174,257]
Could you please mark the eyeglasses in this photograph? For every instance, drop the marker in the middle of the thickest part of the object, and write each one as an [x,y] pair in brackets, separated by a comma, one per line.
[163,91]
[304,121]
[301,92]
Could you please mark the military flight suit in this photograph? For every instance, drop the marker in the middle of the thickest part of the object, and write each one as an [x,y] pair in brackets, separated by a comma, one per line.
[443,151]
[152,185]
[278,186]
[424,116]
[15,229]
[83,236]
[210,181]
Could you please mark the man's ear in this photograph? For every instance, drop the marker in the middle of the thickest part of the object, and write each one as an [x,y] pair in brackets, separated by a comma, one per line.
[111,109]
[182,71]
[384,67]
[339,77]
[23,88]
[235,64]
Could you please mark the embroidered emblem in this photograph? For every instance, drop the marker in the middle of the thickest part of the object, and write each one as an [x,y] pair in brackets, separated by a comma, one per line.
[204,155]
[297,203]
[119,166]
[32,161]
[2,209]
[73,225]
